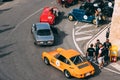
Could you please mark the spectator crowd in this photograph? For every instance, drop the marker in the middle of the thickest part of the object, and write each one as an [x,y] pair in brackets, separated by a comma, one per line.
[99,52]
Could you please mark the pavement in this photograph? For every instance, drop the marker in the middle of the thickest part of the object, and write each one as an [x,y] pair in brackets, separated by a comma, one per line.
[101,35]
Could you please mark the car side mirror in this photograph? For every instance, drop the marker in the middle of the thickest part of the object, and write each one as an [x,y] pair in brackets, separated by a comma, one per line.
[34,26]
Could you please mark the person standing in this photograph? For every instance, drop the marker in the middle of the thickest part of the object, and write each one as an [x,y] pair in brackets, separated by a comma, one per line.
[63,3]
[98,15]
[107,45]
[97,47]
[101,56]
[97,18]
[90,53]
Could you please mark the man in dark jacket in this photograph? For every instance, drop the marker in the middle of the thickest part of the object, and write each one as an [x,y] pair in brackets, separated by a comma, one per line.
[107,45]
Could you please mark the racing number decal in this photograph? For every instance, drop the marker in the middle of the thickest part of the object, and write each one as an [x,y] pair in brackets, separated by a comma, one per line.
[58,63]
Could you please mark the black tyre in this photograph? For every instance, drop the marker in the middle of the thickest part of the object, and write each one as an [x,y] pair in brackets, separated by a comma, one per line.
[70,17]
[67,74]
[35,43]
[46,61]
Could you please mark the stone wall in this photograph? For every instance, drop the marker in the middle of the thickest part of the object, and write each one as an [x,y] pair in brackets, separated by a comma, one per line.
[115,25]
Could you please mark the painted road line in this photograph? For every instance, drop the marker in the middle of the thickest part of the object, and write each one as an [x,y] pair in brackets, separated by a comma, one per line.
[83,38]
[76,45]
[116,66]
[78,29]
[23,22]
[85,32]
[75,23]
[83,26]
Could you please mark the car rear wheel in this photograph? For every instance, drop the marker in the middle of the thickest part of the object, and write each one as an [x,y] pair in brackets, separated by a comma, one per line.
[46,61]
[70,17]
[67,74]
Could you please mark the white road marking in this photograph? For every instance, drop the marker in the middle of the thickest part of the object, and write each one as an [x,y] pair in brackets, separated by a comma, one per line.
[111,70]
[108,69]
[85,32]
[116,66]
[76,23]
[81,27]
[83,38]
[73,35]
[23,21]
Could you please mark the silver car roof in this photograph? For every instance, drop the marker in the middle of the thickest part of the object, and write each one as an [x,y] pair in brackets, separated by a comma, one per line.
[42,26]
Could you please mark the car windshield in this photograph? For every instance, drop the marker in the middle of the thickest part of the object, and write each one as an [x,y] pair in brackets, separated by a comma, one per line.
[43,32]
[77,59]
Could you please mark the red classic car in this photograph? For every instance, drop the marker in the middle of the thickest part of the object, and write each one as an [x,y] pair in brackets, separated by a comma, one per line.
[49,14]
[67,3]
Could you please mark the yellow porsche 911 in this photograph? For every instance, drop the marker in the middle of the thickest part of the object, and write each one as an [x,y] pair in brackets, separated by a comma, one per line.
[70,62]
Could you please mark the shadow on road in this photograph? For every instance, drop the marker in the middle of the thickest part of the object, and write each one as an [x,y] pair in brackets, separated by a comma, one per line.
[7,0]
[6,25]
[7,29]
[60,18]
[5,54]
[59,36]
[5,46]
[2,50]
[3,10]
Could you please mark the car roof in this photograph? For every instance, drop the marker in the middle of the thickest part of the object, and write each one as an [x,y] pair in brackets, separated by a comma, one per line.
[69,53]
[42,26]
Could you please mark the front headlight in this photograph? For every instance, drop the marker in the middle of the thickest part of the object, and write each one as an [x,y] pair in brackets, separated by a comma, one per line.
[40,42]
[110,4]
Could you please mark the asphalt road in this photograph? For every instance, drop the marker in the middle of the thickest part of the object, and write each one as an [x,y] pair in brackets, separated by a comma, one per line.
[20,59]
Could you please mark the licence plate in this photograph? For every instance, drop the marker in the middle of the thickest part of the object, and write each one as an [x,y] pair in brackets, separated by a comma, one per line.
[87,74]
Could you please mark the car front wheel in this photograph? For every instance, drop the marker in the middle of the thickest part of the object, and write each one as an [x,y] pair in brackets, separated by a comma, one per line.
[94,21]
[46,61]
[67,74]
[70,17]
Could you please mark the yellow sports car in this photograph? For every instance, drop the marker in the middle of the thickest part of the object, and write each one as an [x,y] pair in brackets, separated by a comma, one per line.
[70,62]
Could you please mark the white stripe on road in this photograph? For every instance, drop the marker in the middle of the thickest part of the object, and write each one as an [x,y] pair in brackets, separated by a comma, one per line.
[23,21]
[108,69]
[83,38]
[116,66]
[85,32]
[81,27]
[76,45]
[75,23]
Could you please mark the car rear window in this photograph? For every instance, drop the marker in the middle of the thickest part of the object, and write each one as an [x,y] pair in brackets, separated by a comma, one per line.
[43,32]
[77,59]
